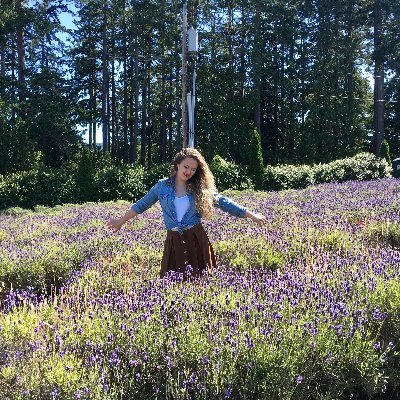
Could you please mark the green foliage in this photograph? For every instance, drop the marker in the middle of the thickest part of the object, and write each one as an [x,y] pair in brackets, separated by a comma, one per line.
[115,183]
[42,270]
[17,150]
[246,252]
[255,159]
[229,175]
[29,188]
[50,116]
[363,166]
[154,174]
[386,232]
[287,177]
[336,241]
[385,151]
[320,326]
[85,175]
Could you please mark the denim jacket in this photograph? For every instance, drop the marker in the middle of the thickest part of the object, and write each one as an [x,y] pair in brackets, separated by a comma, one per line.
[164,192]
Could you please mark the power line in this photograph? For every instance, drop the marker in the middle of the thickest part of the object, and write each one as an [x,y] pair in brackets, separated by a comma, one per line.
[353,98]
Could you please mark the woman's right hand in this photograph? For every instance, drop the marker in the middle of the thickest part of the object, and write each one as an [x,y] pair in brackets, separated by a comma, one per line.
[114,224]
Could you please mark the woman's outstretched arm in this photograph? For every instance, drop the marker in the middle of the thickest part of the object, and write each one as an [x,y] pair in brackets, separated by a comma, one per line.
[116,224]
[138,208]
[237,210]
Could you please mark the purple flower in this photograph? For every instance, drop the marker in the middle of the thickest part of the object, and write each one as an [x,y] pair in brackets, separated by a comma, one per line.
[228,393]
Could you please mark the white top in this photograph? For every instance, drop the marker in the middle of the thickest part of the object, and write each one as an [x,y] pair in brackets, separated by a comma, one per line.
[181,205]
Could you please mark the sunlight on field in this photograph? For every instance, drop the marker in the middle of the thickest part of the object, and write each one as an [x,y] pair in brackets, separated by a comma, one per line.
[306,307]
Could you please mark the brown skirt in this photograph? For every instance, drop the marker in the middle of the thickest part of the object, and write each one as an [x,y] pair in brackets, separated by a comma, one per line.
[190,253]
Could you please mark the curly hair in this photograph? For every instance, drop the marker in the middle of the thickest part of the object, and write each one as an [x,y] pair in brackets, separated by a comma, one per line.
[201,184]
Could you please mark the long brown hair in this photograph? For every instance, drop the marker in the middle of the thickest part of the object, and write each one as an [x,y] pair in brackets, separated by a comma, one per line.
[201,184]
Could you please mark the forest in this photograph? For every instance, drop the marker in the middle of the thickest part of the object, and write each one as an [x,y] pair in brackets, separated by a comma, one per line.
[319,80]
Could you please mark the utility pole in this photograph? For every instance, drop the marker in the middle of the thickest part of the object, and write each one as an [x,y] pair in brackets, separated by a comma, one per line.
[191,96]
[184,77]
[104,100]
[379,101]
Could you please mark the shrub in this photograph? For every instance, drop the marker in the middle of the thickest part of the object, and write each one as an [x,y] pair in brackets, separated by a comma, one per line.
[287,177]
[385,151]
[85,175]
[229,175]
[255,159]
[122,182]
[41,271]
[154,174]
[246,252]
[29,188]
[363,166]
[336,241]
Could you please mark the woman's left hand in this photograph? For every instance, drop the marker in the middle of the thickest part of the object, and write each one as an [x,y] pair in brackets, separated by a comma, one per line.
[257,218]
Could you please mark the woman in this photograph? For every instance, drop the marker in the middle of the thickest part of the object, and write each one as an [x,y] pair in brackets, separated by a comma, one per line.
[186,197]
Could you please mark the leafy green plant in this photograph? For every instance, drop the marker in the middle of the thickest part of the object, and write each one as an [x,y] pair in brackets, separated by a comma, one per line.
[287,177]
[335,240]
[85,175]
[154,174]
[363,166]
[385,232]
[255,159]
[115,183]
[244,253]
[385,151]
[229,175]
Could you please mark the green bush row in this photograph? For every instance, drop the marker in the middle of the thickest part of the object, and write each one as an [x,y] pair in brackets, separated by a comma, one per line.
[363,166]
[49,187]
[88,182]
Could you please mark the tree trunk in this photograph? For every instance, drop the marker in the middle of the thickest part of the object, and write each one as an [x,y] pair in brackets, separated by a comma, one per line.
[136,120]
[291,124]
[163,114]
[13,97]
[379,106]
[242,67]
[21,53]
[170,121]
[3,61]
[149,114]
[104,109]
[90,133]
[178,107]
[397,114]
[93,113]
[132,146]
[257,69]
[113,102]
[125,90]
[349,139]
[108,121]
[144,122]
[94,122]
[184,78]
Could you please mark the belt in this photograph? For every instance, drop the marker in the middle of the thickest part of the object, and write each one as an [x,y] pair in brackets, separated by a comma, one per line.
[180,229]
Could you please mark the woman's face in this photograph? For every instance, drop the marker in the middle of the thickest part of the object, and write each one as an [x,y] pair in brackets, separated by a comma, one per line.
[186,169]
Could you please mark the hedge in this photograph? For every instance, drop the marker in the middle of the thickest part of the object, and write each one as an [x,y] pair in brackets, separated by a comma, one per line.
[49,187]
[363,166]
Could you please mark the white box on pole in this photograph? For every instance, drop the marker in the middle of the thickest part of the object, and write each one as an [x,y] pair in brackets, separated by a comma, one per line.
[193,40]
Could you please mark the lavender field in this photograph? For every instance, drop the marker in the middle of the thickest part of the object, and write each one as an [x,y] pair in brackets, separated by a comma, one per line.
[307,307]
